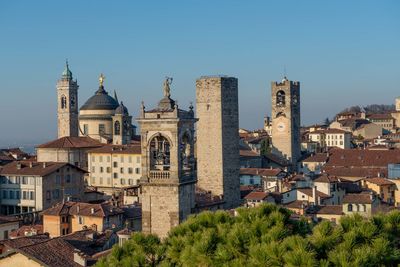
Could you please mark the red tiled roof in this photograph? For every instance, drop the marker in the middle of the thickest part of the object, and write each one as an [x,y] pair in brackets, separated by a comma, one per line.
[331,210]
[260,171]
[318,157]
[379,181]
[34,168]
[325,178]
[360,172]
[362,198]
[364,157]
[297,204]
[72,142]
[248,153]
[329,131]
[384,116]
[256,195]
[36,229]
[84,209]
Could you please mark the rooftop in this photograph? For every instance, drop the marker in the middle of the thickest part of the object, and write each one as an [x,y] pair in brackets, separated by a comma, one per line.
[117,149]
[83,209]
[362,198]
[34,168]
[72,142]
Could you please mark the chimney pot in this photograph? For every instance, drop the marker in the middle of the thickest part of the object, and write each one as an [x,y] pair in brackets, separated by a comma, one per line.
[44,165]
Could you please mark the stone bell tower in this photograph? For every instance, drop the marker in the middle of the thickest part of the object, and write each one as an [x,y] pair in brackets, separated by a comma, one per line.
[286,120]
[168,179]
[67,104]
[122,124]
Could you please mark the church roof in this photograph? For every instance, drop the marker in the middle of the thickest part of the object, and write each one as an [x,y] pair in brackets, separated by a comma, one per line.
[121,109]
[100,100]
[72,142]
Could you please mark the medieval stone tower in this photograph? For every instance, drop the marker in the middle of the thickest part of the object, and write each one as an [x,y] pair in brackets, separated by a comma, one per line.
[67,108]
[168,179]
[286,120]
[218,138]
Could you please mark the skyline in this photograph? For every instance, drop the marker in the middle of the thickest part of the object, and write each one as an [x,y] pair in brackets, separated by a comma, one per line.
[331,48]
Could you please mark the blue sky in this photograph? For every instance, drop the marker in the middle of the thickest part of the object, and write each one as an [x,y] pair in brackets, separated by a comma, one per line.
[343,53]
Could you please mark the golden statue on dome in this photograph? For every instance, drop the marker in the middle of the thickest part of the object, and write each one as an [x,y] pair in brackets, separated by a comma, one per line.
[101,79]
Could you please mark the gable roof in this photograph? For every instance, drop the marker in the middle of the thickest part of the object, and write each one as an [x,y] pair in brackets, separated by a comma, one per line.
[34,168]
[325,178]
[361,198]
[256,195]
[330,209]
[379,181]
[318,157]
[83,209]
[72,142]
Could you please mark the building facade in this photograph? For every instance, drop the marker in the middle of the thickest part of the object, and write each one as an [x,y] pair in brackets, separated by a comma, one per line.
[31,186]
[168,176]
[114,167]
[218,138]
[285,98]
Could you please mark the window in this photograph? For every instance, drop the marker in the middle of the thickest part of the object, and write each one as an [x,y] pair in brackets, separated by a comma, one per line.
[6,234]
[85,129]
[93,159]
[56,193]
[122,158]
[17,194]
[108,158]
[63,102]
[108,181]
[101,169]
[58,179]
[350,207]
[117,128]
[101,129]
[130,181]
[101,180]
[31,195]
[11,194]
[121,170]
[138,159]
[115,164]
[25,194]
[68,178]
[100,158]
[122,181]
[137,170]
[115,175]
[24,180]
[93,180]
[130,170]
[280,98]
[364,207]
[130,159]
[80,220]
[108,170]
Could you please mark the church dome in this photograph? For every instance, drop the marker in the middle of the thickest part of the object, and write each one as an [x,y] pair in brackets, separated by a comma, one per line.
[67,72]
[101,100]
[121,109]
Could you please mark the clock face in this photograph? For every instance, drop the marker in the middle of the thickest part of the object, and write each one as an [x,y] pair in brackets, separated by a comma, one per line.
[281,127]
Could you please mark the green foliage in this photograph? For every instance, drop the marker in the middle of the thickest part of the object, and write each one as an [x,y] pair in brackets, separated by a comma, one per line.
[265,236]
[265,147]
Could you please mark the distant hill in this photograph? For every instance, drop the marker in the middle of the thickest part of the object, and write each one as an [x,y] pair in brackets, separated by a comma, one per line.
[370,109]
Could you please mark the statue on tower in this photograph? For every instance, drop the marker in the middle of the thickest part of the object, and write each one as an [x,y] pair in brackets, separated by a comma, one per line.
[101,79]
[167,89]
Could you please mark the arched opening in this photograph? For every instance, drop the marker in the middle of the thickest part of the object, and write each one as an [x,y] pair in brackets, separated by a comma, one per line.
[350,207]
[117,128]
[280,98]
[185,152]
[279,114]
[159,154]
[63,102]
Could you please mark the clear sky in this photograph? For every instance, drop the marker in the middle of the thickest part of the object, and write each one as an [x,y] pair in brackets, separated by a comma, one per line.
[343,53]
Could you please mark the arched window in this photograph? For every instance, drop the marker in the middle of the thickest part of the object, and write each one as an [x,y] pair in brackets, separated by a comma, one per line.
[350,207]
[63,102]
[185,152]
[280,114]
[280,98]
[117,128]
[159,153]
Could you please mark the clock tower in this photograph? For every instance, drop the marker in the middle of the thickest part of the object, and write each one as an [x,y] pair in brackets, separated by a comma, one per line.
[67,106]
[286,120]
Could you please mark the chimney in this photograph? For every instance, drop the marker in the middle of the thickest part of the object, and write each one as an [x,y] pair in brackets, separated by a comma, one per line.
[379,174]
[92,210]
[19,165]
[314,194]
[30,164]
[44,165]
[77,209]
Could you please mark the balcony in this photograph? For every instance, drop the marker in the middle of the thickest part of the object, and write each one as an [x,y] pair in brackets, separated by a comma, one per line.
[159,175]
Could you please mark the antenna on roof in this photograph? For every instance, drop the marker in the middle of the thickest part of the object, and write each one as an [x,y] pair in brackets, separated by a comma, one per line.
[284,71]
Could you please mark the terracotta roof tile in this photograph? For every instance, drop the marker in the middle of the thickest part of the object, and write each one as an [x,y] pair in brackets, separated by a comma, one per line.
[117,149]
[330,209]
[362,198]
[318,157]
[34,168]
[84,209]
[72,142]
[379,181]
[260,171]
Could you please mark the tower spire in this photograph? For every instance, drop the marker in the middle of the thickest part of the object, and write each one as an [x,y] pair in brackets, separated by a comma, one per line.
[115,96]
[67,74]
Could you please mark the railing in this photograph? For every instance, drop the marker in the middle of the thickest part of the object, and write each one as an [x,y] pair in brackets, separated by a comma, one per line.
[159,175]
